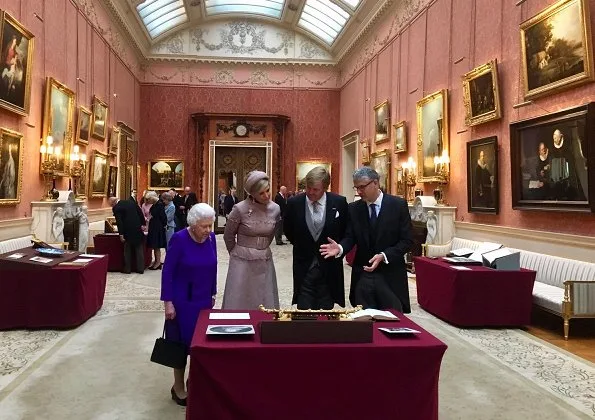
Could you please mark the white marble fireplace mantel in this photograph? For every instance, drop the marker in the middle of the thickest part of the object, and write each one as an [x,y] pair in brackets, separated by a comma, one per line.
[440,220]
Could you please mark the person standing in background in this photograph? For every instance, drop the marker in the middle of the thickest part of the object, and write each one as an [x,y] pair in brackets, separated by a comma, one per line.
[281,200]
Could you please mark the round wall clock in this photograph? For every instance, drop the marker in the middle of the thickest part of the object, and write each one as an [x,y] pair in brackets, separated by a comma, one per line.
[241,130]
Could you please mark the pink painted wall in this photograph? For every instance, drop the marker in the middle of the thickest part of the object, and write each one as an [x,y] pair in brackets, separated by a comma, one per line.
[71,41]
[419,58]
[168,131]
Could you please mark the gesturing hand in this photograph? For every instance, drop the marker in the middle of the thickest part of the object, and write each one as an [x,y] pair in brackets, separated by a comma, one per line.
[374,261]
[330,250]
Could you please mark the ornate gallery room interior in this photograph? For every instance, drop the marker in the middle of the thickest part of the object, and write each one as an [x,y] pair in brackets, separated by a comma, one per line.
[480,114]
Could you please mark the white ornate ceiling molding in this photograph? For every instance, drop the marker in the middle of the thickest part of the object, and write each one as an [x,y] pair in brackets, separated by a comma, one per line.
[242,41]
[117,38]
[369,44]
[247,75]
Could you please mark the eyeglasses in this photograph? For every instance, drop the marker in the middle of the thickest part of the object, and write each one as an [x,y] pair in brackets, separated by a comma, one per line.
[361,187]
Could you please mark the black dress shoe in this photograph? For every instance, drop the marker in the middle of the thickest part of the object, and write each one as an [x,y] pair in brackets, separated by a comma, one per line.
[178,400]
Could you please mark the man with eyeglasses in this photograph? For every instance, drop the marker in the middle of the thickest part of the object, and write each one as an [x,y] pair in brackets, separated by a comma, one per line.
[310,219]
[380,226]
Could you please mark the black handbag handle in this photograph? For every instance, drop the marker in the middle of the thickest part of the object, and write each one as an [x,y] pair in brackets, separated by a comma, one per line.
[172,321]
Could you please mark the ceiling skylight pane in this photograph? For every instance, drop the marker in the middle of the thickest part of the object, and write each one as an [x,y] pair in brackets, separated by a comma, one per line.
[324,19]
[159,16]
[272,8]
[352,3]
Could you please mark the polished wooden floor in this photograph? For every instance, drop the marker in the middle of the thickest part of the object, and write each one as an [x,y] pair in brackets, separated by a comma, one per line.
[549,328]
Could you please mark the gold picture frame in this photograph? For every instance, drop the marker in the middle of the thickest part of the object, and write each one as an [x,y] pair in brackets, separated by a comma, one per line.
[15,86]
[551,61]
[164,174]
[11,169]
[83,126]
[98,178]
[381,122]
[400,137]
[303,167]
[99,119]
[400,182]
[58,119]
[364,147]
[380,162]
[481,95]
[432,134]
[114,140]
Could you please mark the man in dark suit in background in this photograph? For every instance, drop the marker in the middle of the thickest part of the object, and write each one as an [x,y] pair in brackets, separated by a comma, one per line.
[130,219]
[179,218]
[189,200]
[380,226]
[230,200]
[281,200]
[310,219]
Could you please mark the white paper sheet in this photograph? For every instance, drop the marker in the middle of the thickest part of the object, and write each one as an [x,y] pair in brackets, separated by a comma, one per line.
[460,267]
[82,260]
[91,256]
[229,315]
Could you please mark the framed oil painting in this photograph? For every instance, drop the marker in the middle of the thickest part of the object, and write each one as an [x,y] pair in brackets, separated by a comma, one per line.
[11,166]
[112,181]
[83,123]
[99,119]
[114,139]
[380,162]
[401,182]
[58,121]
[302,169]
[99,175]
[400,136]
[381,122]
[482,175]
[549,158]
[481,96]
[556,48]
[16,65]
[165,174]
[432,134]
[364,147]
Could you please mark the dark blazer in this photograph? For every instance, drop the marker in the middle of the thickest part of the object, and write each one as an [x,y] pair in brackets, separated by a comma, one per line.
[129,218]
[305,249]
[393,237]
[282,202]
[229,202]
[189,201]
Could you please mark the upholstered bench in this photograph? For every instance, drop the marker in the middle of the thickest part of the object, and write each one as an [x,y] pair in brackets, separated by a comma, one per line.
[562,286]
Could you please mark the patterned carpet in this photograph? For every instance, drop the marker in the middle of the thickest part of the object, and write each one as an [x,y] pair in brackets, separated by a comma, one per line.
[100,370]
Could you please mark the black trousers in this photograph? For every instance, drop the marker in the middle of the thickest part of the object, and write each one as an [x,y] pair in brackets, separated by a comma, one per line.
[139,257]
[279,233]
[314,291]
[372,291]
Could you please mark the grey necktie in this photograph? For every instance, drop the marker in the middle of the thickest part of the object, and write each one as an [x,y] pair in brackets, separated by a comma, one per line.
[316,213]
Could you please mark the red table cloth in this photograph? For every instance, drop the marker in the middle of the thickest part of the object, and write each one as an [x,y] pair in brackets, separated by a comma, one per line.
[244,379]
[477,297]
[54,297]
[110,244]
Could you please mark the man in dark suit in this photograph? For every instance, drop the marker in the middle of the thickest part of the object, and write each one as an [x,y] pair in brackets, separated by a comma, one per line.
[179,218]
[189,200]
[380,226]
[230,200]
[130,219]
[311,219]
[281,200]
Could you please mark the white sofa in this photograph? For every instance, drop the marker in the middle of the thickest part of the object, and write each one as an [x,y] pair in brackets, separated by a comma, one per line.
[562,286]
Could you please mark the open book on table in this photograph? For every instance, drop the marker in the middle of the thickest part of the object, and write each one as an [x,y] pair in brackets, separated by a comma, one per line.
[373,314]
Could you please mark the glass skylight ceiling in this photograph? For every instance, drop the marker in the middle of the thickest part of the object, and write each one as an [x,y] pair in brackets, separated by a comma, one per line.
[270,8]
[159,16]
[352,3]
[324,19]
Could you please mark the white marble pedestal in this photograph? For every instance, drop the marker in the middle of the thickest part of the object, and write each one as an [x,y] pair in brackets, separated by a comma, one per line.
[440,220]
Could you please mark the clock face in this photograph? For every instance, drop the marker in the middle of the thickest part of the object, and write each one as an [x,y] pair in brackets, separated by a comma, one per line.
[241,130]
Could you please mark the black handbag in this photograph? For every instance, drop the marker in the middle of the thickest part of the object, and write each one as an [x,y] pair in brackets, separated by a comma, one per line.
[169,353]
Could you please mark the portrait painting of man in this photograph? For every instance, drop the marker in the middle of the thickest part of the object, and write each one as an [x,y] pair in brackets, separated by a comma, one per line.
[482,171]
[15,64]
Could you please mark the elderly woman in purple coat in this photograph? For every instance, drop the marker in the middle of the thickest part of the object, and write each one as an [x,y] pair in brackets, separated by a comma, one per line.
[189,282]
[250,228]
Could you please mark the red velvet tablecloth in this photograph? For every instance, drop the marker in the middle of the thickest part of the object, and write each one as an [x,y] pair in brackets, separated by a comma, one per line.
[477,297]
[53,297]
[243,379]
[110,244]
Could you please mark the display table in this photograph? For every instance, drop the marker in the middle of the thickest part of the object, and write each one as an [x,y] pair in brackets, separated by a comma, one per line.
[244,379]
[110,244]
[51,297]
[476,297]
